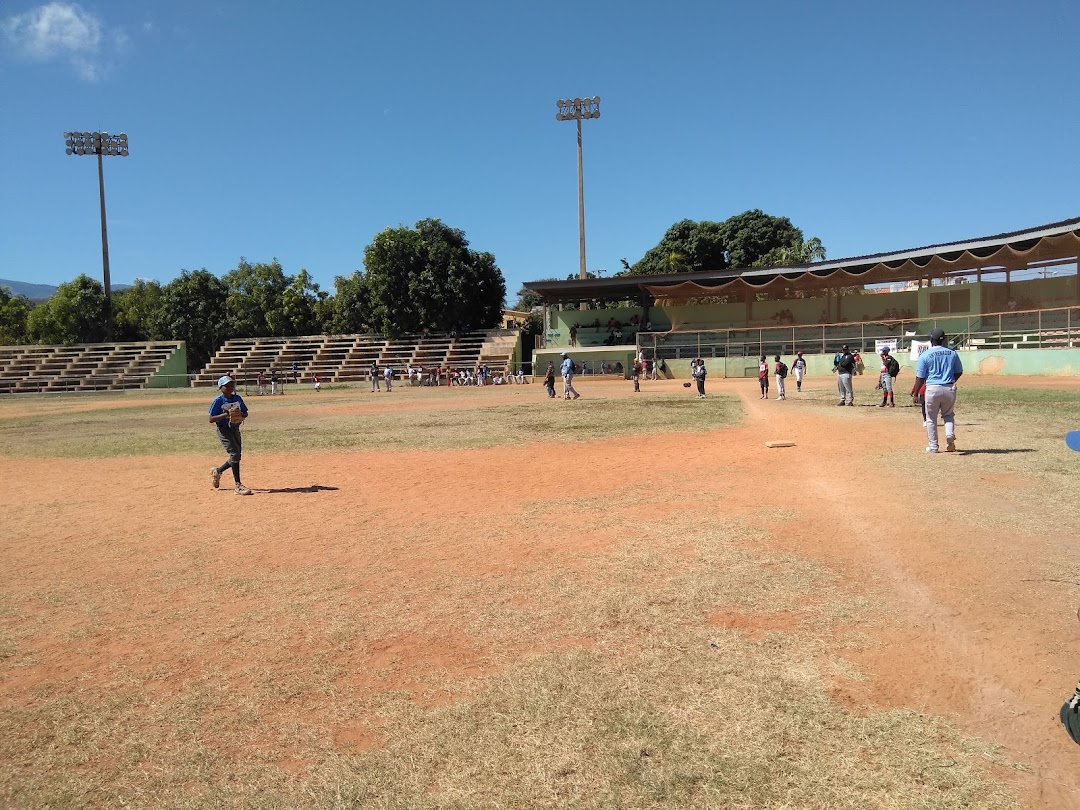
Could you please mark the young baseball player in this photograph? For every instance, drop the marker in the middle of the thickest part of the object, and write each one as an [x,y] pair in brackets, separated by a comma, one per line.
[889,369]
[227,412]
[318,383]
[549,380]
[799,367]
[763,377]
[780,370]
[388,377]
[635,374]
[699,373]
[374,371]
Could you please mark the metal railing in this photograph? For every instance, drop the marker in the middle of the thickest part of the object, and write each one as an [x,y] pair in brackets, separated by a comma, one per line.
[1034,329]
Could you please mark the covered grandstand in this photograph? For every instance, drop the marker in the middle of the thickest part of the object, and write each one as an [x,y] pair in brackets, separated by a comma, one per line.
[1016,290]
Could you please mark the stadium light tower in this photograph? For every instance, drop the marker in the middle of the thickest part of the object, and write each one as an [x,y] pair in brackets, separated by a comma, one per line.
[574,110]
[100,144]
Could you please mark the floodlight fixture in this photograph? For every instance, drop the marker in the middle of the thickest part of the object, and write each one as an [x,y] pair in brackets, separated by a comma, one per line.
[575,110]
[100,144]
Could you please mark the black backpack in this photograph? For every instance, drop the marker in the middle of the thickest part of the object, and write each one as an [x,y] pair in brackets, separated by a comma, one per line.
[892,366]
[783,369]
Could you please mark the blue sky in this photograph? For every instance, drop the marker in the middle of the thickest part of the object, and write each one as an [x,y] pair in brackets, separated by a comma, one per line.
[299,131]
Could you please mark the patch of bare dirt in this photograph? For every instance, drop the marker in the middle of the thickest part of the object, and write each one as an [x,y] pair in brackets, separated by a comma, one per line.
[973,634]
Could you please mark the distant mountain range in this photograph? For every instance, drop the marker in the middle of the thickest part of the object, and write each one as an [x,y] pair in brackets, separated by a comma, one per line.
[40,292]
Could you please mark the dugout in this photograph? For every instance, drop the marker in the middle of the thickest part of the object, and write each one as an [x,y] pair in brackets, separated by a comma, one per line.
[1012,291]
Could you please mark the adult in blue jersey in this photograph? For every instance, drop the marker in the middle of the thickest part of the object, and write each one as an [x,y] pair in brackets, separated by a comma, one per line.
[939,367]
[568,377]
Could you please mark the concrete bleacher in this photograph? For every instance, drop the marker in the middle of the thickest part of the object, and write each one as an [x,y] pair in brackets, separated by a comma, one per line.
[348,358]
[85,367]
[497,352]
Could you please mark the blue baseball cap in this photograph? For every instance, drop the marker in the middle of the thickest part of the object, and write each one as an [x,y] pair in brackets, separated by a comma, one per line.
[223,381]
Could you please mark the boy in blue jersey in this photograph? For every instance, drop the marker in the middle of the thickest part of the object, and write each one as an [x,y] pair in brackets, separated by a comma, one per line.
[939,367]
[227,412]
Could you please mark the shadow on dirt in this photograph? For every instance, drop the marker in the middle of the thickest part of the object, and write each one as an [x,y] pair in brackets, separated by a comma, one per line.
[997,451]
[293,490]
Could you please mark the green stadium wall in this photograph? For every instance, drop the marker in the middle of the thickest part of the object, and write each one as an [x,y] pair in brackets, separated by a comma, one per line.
[173,372]
[1002,362]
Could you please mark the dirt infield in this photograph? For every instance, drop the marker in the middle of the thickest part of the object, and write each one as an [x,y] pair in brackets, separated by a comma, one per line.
[967,561]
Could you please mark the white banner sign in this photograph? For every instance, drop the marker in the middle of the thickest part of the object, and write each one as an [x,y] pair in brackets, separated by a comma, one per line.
[918,347]
[888,343]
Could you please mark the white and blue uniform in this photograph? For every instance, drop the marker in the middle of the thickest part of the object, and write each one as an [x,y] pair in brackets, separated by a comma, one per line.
[940,366]
[568,379]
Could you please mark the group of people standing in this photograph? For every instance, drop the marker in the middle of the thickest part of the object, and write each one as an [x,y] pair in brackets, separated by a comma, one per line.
[936,372]
[780,371]
[567,368]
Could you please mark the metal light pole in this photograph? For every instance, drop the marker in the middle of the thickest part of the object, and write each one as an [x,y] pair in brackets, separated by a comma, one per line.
[575,110]
[100,143]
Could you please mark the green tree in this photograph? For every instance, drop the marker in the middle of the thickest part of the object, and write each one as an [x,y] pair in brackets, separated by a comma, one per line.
[752,235]
[300,303]
[350,305]
[427,278]
[137,310]
[14,312]
[527,299]
[750,239]
[687,245]
[256,300]
[193,309]
[74,314]
[811,250]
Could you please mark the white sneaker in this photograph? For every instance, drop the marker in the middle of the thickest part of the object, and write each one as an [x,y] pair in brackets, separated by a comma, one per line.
[215,478]
[242,490]
[931,449]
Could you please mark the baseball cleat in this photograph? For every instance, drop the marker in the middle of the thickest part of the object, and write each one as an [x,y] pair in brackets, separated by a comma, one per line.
[215,478]
[931,449]
[950,444]
[242,490]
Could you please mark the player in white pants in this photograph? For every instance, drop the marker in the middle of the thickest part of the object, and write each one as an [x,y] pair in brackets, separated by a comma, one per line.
[939,367]
[799,367]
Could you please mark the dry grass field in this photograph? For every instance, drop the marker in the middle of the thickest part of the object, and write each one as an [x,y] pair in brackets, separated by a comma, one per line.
[482,598]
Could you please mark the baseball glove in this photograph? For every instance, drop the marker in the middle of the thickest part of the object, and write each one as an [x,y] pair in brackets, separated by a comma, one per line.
[686,385]
[236,416]
[1070,715]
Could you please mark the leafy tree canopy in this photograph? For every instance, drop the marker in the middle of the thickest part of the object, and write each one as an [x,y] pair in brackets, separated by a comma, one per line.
[687,245]
[193,309]
[527,299]
[750,236]
[750,239]
[136,311]
[256,299]
[74,314]
[427,278]
[14,312]
[351,305]
[304,306]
